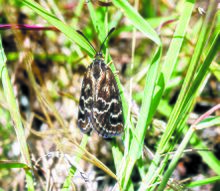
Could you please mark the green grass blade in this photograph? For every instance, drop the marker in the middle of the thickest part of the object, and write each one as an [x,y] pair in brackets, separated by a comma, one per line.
[173,52]
[144,119]
[137,20]
[177,41]
[168,66]
[175,159]
[13,164]
[98,23]
[187,94]
[216,166]
[211,121]
[204,182]
[15,116]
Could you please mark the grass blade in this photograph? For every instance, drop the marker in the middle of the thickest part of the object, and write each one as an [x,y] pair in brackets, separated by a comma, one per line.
[168,66]
[136,145]
[204,182]
[15,116]
[12,164]
[137,20]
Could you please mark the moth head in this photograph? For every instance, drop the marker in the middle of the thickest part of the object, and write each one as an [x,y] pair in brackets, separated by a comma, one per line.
[99,56]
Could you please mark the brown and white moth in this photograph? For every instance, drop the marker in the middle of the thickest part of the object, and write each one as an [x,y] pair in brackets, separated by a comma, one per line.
[100,106]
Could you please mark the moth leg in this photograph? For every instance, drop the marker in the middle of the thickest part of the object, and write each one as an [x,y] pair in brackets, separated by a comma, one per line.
[116,73]
[109,63]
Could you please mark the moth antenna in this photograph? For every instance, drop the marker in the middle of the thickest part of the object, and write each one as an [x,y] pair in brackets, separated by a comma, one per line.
[109,33]
[86,39]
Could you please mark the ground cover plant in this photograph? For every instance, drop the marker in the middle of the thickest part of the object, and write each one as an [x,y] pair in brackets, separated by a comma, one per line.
[164,56]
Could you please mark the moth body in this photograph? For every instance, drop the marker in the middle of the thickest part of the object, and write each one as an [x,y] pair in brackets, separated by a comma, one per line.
[100,106]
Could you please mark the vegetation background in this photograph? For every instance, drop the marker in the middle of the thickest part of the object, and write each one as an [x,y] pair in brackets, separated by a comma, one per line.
[166,56]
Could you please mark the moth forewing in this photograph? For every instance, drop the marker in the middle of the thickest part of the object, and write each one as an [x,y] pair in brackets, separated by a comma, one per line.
[85,104]
[107,108]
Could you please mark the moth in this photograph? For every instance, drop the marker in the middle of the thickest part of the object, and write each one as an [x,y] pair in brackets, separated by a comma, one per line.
[100,106]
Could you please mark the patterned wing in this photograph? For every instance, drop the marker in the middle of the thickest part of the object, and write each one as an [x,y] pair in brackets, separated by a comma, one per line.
[107,107]
[85,103]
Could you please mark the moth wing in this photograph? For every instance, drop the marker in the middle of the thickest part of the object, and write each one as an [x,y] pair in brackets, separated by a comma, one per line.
[85,104]
[107,107]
